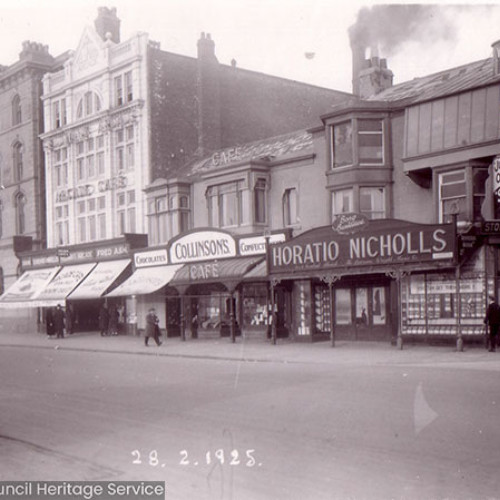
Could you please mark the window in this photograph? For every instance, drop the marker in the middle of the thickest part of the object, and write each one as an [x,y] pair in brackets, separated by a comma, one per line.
[342,144]
[17,160]
[59,113]
[125,149]
[370,142]
[60,166]
[372,202]
[290,207]
[357,142]
[228,205]
[20,202]
[89,104]
[260,201]
[124,92]
[16,110]
[90,160]
[452,195]
[342,202]
[62,225]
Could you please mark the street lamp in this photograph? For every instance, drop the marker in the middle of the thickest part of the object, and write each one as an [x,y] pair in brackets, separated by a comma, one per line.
[272,282]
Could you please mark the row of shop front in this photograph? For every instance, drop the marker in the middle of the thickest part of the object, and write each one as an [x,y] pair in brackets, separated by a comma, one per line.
[383,280]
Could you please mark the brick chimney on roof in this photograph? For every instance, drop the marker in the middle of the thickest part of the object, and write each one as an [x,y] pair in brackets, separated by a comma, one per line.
[496,57]
[107,22]
[373,76]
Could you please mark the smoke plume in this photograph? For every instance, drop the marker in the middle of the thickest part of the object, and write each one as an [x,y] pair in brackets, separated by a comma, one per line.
[388,27]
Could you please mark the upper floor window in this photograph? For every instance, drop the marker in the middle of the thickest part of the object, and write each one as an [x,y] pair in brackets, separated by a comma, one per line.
[124,92]
[342,202]
[88,105]
[228,205]
[125,148]
[19,203]
[372,202]
[59,113]
[260,201]
[290,207]
[16,110]
[357,142]
[17,161]
[457,195]
[60,166]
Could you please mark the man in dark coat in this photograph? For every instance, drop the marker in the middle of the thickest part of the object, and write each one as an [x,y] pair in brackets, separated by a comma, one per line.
[49,319]
[59,322]
[152,327]
[103,320]
[492,319]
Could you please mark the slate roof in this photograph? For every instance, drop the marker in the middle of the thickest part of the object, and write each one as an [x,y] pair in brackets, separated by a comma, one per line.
[273,148]
[451,81]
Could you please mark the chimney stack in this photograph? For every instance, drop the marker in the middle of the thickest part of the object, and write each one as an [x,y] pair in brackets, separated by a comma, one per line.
[107,22]
[369,76]
[496,57]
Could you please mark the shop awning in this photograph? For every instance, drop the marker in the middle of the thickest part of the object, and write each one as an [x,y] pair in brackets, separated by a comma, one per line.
[99,280]
[146,280]
[259,272]
[26,289]
[63,284]
[229,271]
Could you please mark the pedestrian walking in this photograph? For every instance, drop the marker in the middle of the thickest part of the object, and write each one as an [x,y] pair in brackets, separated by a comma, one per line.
[59,322]
[152,327]
[49,321]
[492,319]
[103,320]
[113,320]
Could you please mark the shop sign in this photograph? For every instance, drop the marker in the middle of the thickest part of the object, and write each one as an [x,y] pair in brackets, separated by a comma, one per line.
[490,227]
[87,190]
[257,244]
[383,242]
[202,245]
[43,260]
[205,271]
[417,287]
[349,223]
[153,258]
[66,255]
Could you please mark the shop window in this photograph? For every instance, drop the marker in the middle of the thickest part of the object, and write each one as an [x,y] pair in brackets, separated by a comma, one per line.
[255,302]
[342,144]
[372,202]
[342,202]
[16,110]
[343,313]
[322,314]
[17,160]
[290,207]
[303,309]
[361,295]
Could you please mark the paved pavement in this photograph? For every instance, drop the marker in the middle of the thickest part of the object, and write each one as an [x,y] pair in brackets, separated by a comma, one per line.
[256,350]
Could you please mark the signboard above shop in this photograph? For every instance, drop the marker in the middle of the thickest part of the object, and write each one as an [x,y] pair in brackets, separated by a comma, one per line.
[385,242]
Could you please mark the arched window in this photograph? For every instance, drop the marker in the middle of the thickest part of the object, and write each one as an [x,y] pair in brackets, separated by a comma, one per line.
[17,160]
[290,207]
[19,203]
[16,110]
[88,105]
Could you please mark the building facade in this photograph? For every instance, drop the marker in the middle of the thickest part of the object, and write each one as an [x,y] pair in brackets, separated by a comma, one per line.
[22,177]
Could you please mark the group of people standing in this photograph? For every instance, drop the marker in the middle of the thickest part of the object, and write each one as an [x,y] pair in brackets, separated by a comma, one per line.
[58,321]
[108,320]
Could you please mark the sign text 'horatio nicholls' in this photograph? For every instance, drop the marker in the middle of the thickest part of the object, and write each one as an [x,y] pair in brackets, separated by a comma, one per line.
[381,242]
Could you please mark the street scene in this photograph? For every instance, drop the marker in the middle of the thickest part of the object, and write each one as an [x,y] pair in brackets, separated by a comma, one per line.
[249,249]
[236,421]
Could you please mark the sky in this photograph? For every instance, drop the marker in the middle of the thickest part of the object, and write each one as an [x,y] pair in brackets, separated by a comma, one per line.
[305,40]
